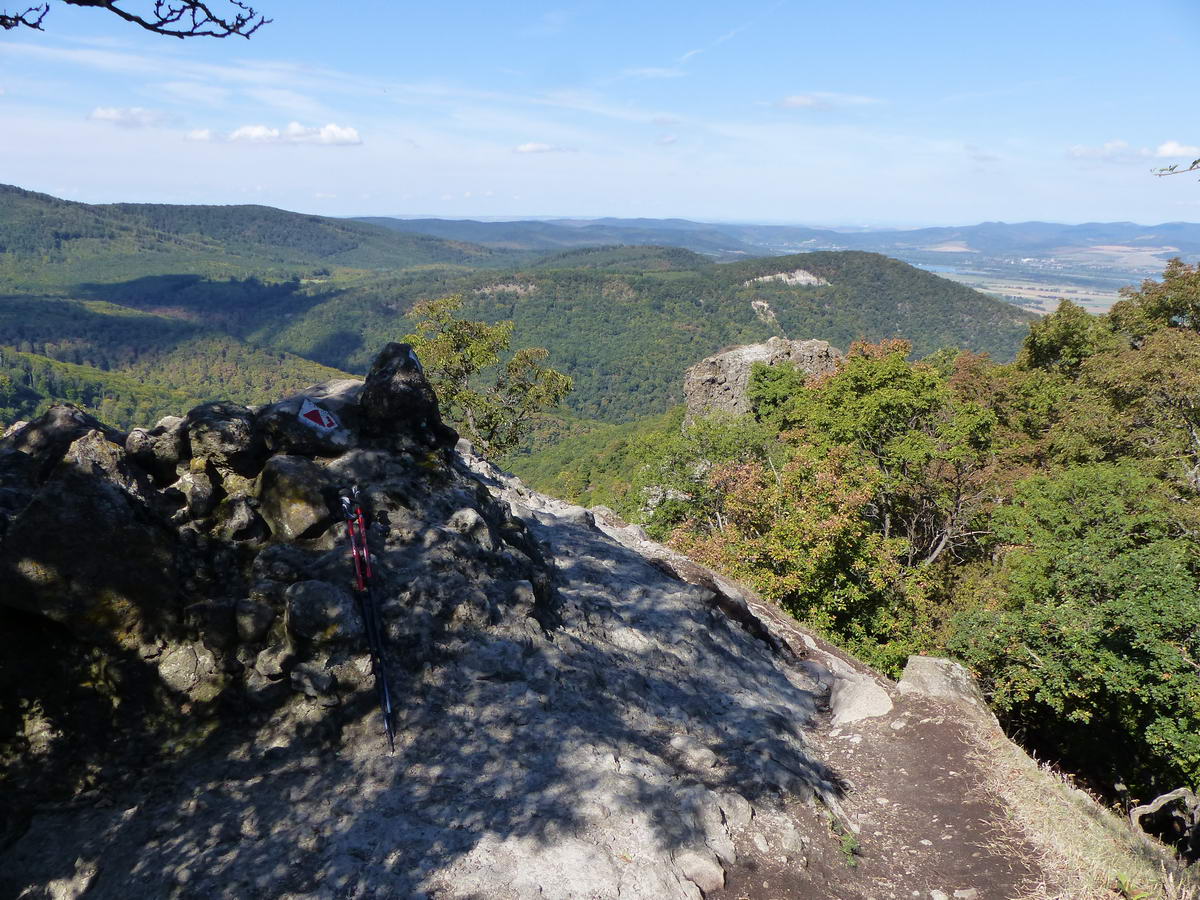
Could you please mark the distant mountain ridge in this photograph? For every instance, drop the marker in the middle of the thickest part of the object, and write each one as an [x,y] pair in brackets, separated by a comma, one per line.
[716,237]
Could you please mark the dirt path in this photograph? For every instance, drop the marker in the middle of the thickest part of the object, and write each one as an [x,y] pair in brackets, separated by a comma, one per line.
[926,825]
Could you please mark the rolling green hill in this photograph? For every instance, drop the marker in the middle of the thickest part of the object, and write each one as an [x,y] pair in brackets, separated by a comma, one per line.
[627,337]
[172,294]
[47,244]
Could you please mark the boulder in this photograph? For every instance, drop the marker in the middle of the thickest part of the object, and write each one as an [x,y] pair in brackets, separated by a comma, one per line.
[944,679]
[225,435]
[47,438]
[398,405]
[321,612]
[160,449]
[719,383]
[87,553]
[294,497]
[94,454]
[321,420]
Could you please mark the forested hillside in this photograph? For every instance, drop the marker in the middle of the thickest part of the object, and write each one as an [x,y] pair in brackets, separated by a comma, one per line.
[627,337]
[51,244]
[170,293]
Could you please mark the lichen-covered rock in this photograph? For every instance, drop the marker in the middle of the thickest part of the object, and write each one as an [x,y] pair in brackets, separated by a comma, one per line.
[160,449]
[719,383]
[225,435]
[398,404]
[294,497]
[47,437]
[322,612]
[89,554]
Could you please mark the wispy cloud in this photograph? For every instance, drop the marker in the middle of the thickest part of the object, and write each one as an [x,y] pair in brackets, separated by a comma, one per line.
[667,139]
[537,147]
[730,35]
[330,135]
[199,134]
[1116,151]
[129,116]
[824,100]
[197,92]
[286,100]
[653,72]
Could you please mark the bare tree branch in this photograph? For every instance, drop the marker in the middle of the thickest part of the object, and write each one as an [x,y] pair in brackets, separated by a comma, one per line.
[1175,170]
[174,18]
[30,18]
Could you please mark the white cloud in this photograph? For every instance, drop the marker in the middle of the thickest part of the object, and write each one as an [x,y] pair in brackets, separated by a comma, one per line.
[199,134]
[823,100]
[535,147]
[129,116]
[330,135]
[1174,148]
[667,139]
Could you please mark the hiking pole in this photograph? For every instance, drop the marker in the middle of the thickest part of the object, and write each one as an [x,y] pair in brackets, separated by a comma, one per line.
[368,608]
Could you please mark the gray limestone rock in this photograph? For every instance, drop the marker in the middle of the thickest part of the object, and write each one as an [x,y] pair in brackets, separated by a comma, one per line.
[294,497]
[719,383]
[47,437]
[398,405]
[160,449]
[321,612]
[702,869]
[944,679]
[225,434]
[857,697]
[322,420]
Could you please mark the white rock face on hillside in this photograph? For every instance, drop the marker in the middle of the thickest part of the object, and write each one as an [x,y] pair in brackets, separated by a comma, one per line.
[719,383]
[795,278]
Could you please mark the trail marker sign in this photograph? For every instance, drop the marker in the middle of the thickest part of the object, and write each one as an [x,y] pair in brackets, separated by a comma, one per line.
[315,417]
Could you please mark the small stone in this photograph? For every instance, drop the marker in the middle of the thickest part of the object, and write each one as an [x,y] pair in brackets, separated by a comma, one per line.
[737,809]
[967,894]
[702,869]
[938,895]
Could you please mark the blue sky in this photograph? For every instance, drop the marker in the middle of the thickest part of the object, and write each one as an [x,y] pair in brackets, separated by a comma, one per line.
[855,113]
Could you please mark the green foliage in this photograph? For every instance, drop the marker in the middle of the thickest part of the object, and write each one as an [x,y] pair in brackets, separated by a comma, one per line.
[1064,339]
[1174,301]
[1095,629]
[800,535]
[1039,519]
[454,351]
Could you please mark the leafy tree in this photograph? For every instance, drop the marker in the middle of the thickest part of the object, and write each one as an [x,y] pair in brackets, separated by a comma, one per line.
[174,18]
[1172,302]
[930,448]
[1061,341]
[456,352]
[802,537]
[1091,626]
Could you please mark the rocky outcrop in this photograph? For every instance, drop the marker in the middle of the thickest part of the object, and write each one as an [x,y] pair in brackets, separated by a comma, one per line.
[719,383]
[575,719]
[187,708]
